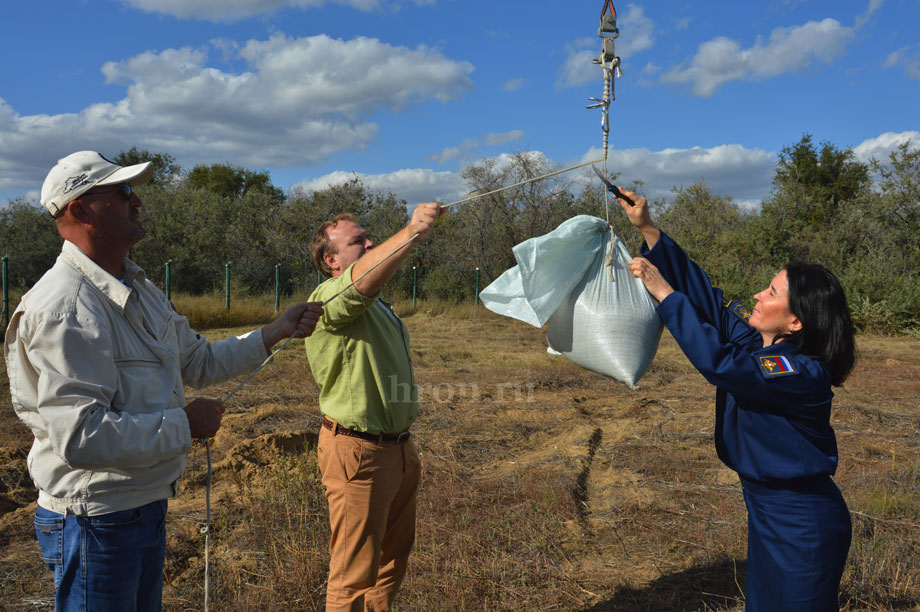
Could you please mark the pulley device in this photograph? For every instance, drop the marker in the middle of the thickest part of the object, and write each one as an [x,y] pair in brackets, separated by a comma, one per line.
[610,63]
[608,31]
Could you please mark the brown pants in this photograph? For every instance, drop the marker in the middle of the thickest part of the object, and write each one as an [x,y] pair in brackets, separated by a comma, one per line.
[371,489]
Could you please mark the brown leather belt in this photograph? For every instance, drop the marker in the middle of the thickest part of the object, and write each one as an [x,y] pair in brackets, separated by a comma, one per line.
[337,429]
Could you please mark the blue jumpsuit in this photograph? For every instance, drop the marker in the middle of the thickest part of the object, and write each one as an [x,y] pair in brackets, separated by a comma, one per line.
[773,428]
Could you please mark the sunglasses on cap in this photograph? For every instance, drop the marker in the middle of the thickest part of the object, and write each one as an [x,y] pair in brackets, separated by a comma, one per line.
[124,190]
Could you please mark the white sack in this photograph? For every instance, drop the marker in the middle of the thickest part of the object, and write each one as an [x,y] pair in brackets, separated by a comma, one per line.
[562,279]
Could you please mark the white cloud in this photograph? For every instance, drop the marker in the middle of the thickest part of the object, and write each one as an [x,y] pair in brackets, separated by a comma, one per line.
[232,10]
[894,58]
[447,154]
[793,49]
[866,15]
[908,57]
[514,84]
[468,146]
[880,146]
[414,185]
[492,139]
[300,101]
[636,34]
[746,174]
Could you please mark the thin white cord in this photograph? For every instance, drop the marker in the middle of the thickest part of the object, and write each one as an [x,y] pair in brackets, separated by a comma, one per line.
[530,180]
[206,530]
[472,197]
[261,365]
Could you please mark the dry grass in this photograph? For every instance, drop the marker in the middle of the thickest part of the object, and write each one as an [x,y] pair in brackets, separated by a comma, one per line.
[546,487]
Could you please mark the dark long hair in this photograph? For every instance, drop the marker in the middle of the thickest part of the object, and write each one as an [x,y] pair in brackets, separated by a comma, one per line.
[817,299]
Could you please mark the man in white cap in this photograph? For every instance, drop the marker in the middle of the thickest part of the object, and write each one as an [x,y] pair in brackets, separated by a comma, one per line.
[97,358]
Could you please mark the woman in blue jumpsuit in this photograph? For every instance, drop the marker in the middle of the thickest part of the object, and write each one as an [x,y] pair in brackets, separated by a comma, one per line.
[773,368]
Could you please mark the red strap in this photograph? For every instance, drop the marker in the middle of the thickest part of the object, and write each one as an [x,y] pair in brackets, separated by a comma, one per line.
[608,4]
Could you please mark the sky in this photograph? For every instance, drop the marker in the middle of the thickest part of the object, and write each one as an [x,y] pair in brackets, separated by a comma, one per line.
[406,93]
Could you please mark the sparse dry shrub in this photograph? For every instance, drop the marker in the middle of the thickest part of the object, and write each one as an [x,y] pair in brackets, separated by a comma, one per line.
[485,544]
[210,311]
[268,547]
[882,568]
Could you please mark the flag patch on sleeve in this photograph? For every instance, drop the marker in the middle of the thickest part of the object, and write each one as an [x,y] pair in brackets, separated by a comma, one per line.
[776,366]
[741,312]
[737,308]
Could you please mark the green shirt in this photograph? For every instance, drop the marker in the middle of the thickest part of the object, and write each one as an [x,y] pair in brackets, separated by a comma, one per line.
[359,355]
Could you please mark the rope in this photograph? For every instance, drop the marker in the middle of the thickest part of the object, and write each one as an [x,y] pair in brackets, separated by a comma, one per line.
[261,365]
[530,180]
[608,31]
[206,530]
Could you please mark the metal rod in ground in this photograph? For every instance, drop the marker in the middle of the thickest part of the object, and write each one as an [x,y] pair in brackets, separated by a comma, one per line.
[6,293]
[477,286]
[277,287]
[169,279]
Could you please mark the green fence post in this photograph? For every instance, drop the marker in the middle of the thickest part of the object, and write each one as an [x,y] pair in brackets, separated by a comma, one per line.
[477,286]
[6,294]
[227,284]
[277,287]
[169,279]
[414,283]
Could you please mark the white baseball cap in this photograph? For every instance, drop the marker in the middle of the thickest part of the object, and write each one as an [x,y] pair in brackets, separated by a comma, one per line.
[79,172]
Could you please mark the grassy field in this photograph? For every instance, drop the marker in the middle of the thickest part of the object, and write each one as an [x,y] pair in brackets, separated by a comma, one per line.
[546,487]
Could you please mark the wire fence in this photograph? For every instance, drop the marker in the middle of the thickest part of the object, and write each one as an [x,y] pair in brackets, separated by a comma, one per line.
[473,278]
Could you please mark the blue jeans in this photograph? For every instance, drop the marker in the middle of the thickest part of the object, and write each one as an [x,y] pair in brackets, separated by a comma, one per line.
[107,563]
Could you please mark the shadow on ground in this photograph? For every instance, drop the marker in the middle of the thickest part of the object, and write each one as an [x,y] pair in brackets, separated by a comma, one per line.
[710,587]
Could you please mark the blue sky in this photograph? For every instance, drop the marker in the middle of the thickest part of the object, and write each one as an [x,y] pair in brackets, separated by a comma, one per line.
[405,93]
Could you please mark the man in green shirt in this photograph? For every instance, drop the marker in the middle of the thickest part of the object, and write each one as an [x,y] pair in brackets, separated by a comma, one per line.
[359,355]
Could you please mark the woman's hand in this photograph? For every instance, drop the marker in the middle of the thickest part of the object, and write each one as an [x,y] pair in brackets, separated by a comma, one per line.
[643,269]
[639,215]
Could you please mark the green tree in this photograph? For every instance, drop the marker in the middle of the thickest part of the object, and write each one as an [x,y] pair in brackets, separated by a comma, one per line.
[233,181]
[381,214]
[489,227]
[819,180]
[810,188]
[900,203]
[200,231]
[716,234]
[29,236]
[165,168]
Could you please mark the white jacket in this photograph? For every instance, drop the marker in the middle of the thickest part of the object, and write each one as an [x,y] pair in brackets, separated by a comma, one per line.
[96,370]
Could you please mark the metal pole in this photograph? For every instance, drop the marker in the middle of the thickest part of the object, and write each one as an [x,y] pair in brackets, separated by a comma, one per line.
[318,279]
[169,279]
[227,284]
[6,294]
[414,283]
[477,286]
[277,287]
